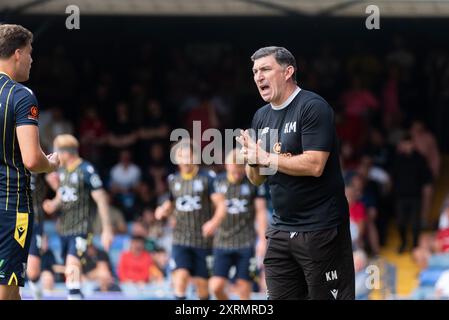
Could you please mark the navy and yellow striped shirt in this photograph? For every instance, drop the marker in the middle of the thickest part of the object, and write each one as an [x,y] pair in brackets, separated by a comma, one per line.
[193,207]
[78,207]
[238,228]
[18,106]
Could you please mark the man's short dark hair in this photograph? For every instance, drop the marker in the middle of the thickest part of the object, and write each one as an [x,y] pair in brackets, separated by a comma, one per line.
[280,54]
[138,238]
[13,37]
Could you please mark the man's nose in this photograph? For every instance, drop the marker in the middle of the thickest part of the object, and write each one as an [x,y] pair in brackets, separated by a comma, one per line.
[259,77]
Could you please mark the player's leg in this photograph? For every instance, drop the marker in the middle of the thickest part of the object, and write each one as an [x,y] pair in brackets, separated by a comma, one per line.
[222,264]
[201,271]
[11,292]
[6,292]
[77,246]
[244,288]
[181,265]
[33,274]
[73,277]
[217,286]
[283,275]
[244,262]
[202,289]
[327,259]
[181,278]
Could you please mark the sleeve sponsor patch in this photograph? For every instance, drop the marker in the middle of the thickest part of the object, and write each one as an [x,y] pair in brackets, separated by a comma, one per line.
[34,113]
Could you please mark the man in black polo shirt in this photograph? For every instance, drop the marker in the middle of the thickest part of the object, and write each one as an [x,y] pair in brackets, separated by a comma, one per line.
[309,251]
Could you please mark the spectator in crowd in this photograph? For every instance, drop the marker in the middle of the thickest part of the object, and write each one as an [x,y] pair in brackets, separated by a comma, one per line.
[435,243]
[401,56]
[204,111]
[348,158]
[425,144]
[137,100]
[51,272]
[153,125]
[370,193]
[391,108]
[117,220]
[145,198]
[327,66]
[411,175]
[56,124]
[157,168]
[378,150]
[124,179]
[92,133]
[137,265]
[125,175]
[122,130]
[154,226]
[431,245]
[161,259]
[358,106]
[97,267]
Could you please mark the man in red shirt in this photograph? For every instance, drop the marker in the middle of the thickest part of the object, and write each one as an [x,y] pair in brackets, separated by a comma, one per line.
[136,265]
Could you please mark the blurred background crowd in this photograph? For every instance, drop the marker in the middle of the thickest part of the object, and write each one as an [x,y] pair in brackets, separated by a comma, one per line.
[121,93]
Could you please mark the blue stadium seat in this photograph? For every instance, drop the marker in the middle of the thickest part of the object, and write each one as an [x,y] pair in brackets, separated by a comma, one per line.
[429,277]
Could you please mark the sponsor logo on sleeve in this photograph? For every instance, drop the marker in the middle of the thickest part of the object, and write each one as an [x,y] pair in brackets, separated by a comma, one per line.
[34,113]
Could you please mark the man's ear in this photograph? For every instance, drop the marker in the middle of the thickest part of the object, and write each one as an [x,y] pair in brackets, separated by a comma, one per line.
[17,55]
[289,72]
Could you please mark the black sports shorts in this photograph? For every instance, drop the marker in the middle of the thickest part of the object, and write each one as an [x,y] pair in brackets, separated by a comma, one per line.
[316,265]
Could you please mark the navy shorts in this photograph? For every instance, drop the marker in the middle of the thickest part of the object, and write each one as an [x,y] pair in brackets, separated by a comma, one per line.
[243,259]
[75,245]
[36,240]
[197,260]
[15,237]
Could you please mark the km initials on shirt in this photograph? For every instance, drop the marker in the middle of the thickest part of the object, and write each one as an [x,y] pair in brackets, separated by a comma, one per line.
[289,127]
[331,275]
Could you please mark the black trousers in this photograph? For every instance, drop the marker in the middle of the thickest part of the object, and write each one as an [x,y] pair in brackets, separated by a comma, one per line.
[316,265]
[408,211]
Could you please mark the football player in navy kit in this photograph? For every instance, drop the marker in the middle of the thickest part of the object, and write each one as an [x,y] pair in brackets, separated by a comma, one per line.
[198,210]
[309,250]
[20,154]
[244,226]
[79,195]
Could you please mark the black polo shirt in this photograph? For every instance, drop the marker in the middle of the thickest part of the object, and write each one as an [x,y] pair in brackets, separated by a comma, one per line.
[303,203]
